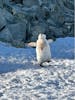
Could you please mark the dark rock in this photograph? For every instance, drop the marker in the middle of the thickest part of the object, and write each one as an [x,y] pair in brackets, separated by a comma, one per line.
[17,1]
[18,44]
[2,21]
[18,31]
[69,4]
[1,3]
[37,29]
[5,35]
[25,19]
[8,16]
[68,29]
[7,6]
[30,3]
[18,13]
[32,13]
[6,1]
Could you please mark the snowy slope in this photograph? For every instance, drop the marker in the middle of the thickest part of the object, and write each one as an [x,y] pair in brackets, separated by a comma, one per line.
[21,78]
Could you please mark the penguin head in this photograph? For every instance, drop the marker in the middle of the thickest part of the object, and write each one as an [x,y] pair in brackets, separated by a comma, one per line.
[41,36]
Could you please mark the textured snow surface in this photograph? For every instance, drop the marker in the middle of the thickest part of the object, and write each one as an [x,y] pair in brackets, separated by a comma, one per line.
[21,78]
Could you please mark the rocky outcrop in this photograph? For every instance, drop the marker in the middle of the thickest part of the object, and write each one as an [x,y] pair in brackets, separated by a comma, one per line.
[25,19]
[30,3]
[2,22]
[5,35]
[18,31]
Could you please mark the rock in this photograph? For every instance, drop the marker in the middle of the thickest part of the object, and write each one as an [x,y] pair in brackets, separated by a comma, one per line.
[19,14]
[5,35]
[38,28]
[18,31]
[17,1]
[16,9]
[1,3]
[69,4]
[31,12]
[58,32]
[2,21]
[25,19]
[18,44]
[68,29]
[30,3]
[7,5]
[6,1]
[57,16]
[10,19]
[45,12]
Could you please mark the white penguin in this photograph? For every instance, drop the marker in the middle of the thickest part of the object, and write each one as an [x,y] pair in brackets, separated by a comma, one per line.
[43,53]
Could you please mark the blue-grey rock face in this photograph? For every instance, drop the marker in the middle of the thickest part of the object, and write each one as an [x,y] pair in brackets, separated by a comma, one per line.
[55,18]
[18,31]
[5,35]
[2,22]
[30,3]
[1,3]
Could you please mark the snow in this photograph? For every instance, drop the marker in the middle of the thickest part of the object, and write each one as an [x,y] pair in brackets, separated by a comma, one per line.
[21,78]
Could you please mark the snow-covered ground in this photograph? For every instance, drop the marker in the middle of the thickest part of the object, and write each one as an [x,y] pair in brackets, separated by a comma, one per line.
[21,78]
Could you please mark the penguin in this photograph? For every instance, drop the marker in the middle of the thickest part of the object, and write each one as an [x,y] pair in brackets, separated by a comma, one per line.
[43,53]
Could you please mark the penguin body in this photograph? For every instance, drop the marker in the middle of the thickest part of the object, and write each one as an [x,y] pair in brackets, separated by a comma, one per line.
[43,53]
